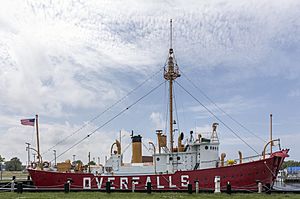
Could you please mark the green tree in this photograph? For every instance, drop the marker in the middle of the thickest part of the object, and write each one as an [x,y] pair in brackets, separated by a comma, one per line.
[13,165]
[2,159]
[290,163]
[1,168]
[92,163]
[78,162]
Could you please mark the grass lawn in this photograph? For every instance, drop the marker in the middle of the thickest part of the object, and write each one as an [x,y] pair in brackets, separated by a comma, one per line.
[165,195]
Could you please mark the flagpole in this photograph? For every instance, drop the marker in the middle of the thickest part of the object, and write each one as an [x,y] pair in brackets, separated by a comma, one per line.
[37,138]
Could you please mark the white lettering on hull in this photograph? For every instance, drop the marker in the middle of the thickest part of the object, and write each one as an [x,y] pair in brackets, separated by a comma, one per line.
[184,180]
[99,184]
[123,182]
[111,179]
[87,183]
[135,181]
[158,183]
[147,180]
[170,183]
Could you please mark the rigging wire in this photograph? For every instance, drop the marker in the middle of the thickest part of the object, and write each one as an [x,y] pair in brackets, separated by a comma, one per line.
[177,122]
[107,109]
[111,119]
[230,129]
[127,146]
[211,101]
[148,149]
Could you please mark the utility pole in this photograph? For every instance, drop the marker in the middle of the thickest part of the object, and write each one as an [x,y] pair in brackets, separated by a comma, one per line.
[1,171]
[121,141]
[271,144]
[28,153]
[89,164]
[37,139]
[54,151]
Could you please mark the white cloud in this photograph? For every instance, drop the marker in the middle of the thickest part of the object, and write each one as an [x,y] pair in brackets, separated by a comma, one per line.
[157,119]
[50,134]
[235,105]
[62,58]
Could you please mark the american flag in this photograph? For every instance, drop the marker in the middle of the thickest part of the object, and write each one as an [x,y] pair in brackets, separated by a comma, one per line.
[29,122]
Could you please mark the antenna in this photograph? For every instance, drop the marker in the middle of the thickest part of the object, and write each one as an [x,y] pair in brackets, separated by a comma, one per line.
[170,33]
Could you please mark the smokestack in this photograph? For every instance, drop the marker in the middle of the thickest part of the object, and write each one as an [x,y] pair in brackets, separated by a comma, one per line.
[136,149]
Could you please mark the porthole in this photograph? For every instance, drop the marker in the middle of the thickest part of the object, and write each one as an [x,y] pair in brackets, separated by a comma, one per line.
[171,158]
[178,158]
[206,147]
[157,159]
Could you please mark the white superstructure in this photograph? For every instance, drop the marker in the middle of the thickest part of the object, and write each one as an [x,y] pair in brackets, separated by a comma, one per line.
[200,153]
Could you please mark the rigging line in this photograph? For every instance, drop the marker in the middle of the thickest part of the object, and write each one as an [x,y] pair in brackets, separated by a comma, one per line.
[176,110]
[146,147]
[111,119]
[211,101]
[217,117]
[107,109]
[127,146]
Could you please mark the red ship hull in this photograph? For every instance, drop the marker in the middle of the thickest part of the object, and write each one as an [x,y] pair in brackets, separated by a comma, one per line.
[243,176]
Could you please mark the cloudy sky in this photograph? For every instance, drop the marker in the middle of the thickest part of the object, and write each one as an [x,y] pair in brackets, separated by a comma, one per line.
[70,61]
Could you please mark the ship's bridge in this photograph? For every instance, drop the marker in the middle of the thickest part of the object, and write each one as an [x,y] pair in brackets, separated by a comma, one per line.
[196,153]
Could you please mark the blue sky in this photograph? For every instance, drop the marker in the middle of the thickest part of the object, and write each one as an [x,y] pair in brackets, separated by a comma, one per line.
[70,60]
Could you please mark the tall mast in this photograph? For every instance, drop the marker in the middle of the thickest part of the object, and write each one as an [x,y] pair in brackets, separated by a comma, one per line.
[271,133]
[37,138]
[170,74]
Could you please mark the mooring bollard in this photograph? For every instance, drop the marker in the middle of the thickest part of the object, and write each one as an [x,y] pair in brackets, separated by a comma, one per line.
[197,186]
[217,184]
[28,180]
[12,185]
[20,187]
[190,189]
[259,187]
[107,187]
[268,188]
[228,188]
[67,187]
[133,186]
[149,186]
